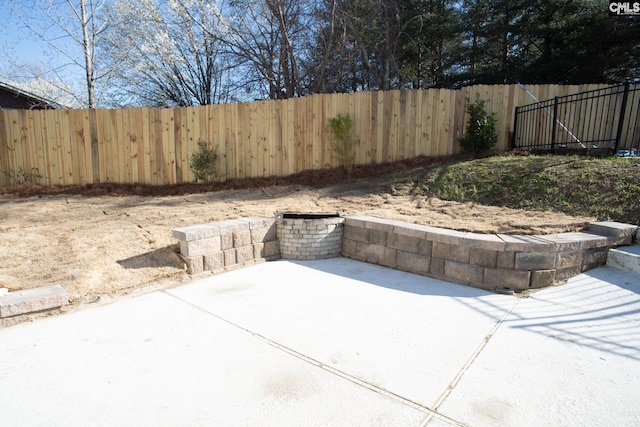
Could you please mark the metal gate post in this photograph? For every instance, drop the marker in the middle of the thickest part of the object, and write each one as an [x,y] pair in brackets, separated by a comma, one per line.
[553,125]
[623,107]
[515,130]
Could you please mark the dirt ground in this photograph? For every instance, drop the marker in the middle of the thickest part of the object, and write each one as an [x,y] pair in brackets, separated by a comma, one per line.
[109,240]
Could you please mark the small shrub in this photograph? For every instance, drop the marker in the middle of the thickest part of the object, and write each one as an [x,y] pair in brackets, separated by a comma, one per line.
[342,141]
[21,177]
[481,133]
[203,162]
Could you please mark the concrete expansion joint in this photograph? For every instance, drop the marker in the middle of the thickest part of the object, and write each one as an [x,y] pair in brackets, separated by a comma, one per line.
[431,413]
[485,341]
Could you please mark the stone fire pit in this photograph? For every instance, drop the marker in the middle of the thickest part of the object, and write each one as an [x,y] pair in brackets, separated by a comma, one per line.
[309,236]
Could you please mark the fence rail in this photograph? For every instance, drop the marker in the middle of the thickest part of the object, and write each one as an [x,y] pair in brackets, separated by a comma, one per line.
[265,138]
[605,120]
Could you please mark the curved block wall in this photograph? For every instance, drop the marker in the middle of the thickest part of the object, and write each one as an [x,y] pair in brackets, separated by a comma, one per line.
[308,238]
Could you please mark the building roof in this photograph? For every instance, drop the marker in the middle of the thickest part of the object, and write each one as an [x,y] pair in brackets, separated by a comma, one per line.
[13,98]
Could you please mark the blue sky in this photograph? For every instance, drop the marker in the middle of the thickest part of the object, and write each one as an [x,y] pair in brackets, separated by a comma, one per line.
[18,42]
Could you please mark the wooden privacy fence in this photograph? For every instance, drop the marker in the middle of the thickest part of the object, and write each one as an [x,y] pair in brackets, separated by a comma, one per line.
[263,138]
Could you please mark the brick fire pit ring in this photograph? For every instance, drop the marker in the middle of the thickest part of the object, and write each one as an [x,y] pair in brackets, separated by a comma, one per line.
[309,236]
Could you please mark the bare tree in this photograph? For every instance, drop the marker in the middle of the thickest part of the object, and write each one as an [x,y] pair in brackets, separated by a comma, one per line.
[269,40]
[166,53]
[70,29]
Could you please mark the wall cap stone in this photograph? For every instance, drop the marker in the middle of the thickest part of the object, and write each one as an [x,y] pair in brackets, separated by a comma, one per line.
[196,232]
[33,300]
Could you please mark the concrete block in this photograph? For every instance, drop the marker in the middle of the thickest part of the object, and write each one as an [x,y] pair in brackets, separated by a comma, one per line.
[263,234]
[200,247]
[380,224]
[378,237]
[229,257]
[484,241]
[577,241]
[619,231]
[403,242]
[542,278]
[196,232]
[625,258]
[258,250]
[535,261]
[229,226]
[370,253]
[568,259]
[463,273]
[413,263]
[456,253]
[244,254]
[256,222]
[348,248]
[442,235]
[33,300]
[241,238]
[501,278]
[412,230]
[506,260]
[483,257]
[226,241]
[271,249]
[437,267]
[425,247]
[356,233]
[526,243]
[195,264]
[213,262]
[390,258]
[594,256]
[355,220]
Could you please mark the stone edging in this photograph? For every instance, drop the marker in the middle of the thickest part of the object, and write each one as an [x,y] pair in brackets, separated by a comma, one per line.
[490,261]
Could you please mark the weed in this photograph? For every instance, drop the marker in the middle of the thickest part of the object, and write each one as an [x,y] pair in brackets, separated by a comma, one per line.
[342,141]
[203,163]
[21,177]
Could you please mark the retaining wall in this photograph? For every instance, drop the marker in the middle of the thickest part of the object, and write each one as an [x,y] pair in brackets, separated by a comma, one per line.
[227,245]
[490,261]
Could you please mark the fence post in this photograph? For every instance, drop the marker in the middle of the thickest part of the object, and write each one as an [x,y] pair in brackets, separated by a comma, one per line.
[625,96]
[553,125]
[95,151]
[515,130]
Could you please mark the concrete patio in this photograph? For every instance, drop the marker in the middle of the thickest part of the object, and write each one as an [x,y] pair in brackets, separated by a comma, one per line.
[332,343]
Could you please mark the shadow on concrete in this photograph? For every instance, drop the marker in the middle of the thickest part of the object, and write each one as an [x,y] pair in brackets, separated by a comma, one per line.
[599,309]
[376,275]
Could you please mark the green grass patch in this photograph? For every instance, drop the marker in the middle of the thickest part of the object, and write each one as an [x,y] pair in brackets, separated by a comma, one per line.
[604,188]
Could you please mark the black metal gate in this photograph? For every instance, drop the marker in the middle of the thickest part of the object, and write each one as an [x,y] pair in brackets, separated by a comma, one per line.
[602,121]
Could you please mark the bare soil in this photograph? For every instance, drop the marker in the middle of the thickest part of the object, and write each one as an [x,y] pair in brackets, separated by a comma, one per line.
[109,239]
